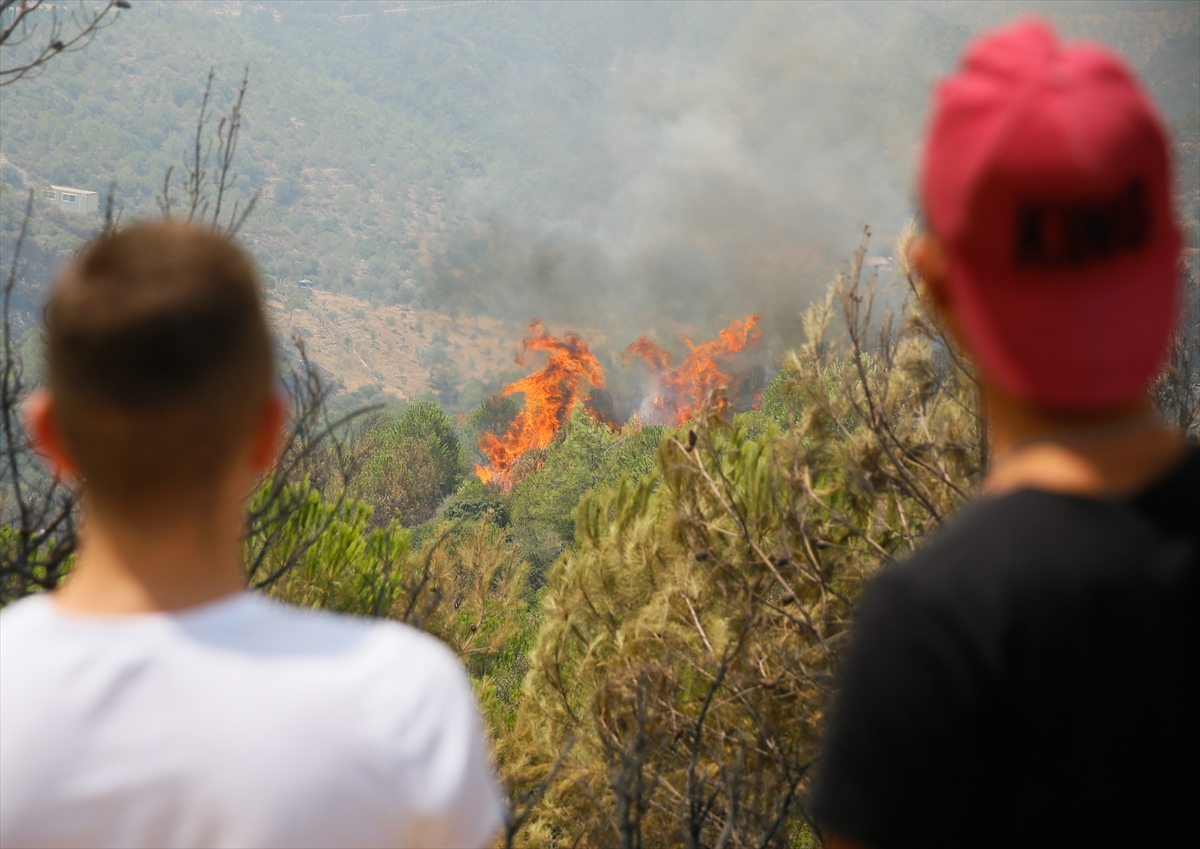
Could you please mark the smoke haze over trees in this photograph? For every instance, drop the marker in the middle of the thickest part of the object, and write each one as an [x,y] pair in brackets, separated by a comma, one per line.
[636,168]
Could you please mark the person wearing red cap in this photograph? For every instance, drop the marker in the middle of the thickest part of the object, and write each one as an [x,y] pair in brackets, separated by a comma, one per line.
[1029,677]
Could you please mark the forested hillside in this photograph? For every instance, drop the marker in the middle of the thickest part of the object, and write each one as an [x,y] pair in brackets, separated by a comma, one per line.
[625,165]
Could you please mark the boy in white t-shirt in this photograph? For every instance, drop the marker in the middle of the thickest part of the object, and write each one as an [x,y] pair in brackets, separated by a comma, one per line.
[152,701]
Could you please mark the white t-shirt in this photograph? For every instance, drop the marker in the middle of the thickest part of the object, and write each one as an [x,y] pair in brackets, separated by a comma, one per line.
[240,723]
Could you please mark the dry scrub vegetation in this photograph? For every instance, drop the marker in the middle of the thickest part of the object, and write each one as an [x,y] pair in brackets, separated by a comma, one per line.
[688,641]
[393,346]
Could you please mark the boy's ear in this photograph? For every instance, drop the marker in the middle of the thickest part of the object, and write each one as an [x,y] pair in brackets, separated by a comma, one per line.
[268,434]
[46,434]
[927,256]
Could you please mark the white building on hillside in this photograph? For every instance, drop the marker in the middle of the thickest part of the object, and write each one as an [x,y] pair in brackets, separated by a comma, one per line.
[72,200]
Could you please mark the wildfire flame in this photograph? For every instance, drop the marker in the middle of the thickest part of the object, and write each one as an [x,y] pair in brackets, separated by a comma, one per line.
[552,391]
[681,391]
[550,394]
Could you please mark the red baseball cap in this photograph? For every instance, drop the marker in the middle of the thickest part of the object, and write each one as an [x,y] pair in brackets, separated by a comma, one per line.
[1046,178]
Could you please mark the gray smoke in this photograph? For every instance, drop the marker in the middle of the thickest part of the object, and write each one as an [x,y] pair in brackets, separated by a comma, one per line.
[740,166]
[740,162]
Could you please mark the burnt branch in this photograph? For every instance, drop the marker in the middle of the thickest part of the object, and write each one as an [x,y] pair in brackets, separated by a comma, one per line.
[1176,393]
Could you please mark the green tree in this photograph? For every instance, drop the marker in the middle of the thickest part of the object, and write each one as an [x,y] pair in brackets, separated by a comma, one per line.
[467,589]
[401,482]
[585,455]
[407,466]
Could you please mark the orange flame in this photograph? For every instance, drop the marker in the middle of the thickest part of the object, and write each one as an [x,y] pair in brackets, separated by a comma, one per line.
[550,394]
[681,391]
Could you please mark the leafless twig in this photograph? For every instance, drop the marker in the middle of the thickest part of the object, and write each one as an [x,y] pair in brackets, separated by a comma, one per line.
[38,512]
[216,152]
[37,41]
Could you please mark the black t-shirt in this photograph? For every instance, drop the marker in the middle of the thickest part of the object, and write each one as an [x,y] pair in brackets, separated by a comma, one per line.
[1028,678]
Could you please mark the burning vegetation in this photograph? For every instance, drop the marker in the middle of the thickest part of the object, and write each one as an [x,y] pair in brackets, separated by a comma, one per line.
[550,393]
[572,372]
[679,392]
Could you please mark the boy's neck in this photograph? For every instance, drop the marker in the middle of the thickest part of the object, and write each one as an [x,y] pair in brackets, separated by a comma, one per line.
[122,569]
[1107,453]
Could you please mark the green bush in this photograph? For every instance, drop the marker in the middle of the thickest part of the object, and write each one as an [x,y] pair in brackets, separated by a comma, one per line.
[474,501]
[585,455]
[467,589]
[428,424]
[401,483]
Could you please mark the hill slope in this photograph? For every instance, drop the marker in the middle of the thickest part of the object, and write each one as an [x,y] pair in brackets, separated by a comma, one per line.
[621,166]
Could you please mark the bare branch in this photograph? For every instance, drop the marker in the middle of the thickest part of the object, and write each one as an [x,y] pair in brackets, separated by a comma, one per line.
[36,550]
[25,27]
[208,174]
